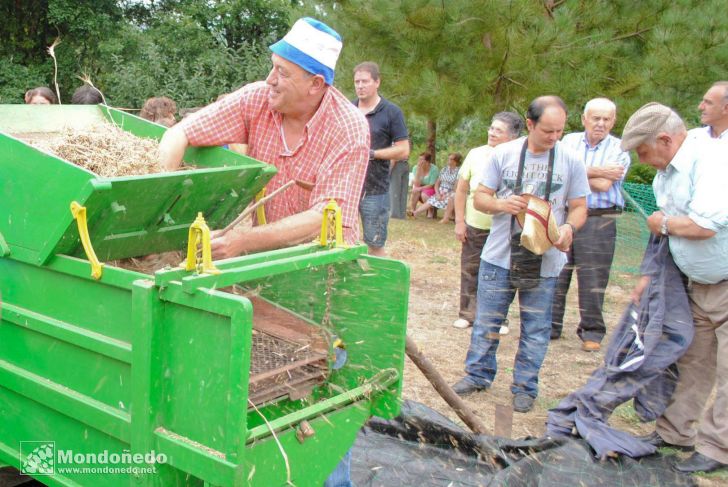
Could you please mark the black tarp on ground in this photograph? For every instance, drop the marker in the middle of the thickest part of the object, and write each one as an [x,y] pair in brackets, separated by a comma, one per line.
[422,448]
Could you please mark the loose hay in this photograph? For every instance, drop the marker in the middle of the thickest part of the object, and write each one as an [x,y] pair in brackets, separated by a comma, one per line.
[150,264]
[104,149]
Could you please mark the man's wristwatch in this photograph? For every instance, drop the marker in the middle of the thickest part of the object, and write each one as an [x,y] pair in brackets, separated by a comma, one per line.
[371,154]
[663,227]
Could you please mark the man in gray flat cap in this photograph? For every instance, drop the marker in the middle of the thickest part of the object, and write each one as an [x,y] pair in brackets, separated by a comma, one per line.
[689,186]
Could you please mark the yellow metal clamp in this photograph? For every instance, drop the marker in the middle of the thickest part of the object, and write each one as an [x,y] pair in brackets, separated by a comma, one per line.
[260,211]
[199,252]
[79,214]
[332,234]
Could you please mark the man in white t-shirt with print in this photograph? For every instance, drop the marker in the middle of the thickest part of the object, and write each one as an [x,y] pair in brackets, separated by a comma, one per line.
[545,119]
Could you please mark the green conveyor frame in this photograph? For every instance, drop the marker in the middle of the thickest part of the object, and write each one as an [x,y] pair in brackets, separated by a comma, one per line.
[133,363]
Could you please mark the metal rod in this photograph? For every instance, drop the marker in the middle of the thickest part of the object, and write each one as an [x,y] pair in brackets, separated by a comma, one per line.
[442,388]
[250,209]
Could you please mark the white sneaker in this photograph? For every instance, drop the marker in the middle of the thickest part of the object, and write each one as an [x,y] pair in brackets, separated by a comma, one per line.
[504,330]
[461,323]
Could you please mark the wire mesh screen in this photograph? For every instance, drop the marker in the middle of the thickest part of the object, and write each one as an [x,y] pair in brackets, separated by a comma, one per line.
[632,232]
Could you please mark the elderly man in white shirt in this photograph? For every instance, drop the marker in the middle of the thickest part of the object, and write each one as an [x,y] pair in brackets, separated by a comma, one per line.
[689,188]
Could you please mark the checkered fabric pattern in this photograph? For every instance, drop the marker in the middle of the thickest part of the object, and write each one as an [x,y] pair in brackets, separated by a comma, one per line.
[330,161]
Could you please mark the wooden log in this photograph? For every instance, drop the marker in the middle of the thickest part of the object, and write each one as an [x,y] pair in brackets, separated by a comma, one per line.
[444,389]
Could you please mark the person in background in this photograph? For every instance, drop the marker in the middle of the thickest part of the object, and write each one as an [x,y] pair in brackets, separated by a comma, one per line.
[444,188]
[592,251]
[472,226]
[159,110]
[424,177]
[86,95]
[398,186]
[40,96]
[389,141]
[713,113]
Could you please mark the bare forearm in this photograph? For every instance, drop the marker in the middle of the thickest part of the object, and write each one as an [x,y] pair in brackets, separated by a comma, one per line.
[577,215]
[461,196]
[679,226]
[293,230]
[600,184]
[172,148]
[683,226]
[613,172]
[487,203]
[396,152]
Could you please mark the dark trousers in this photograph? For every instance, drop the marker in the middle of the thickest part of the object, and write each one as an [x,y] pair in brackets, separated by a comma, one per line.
[591,256]
[469,266]
[398,184]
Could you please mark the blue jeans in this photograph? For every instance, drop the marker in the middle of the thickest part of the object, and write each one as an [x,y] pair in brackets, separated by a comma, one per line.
[374,211]
[495,296]
[341,476]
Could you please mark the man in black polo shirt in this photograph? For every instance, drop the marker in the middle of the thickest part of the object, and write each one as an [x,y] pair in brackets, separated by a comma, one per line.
[389,141]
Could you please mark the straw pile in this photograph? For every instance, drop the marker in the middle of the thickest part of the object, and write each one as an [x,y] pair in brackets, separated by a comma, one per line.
[151,263]
[105,150]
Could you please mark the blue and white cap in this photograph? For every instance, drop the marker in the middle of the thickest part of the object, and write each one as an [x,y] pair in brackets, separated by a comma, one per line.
[312,45]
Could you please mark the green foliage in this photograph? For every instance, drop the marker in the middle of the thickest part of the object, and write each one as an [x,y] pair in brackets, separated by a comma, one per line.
[17,79]
[447,61]
[640,173]
[31,26]
[190,50]
[179,59]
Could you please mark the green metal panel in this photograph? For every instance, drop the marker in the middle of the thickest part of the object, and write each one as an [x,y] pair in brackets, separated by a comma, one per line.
[196,363]
[75,300]
[369,303]
[37,190]
[137,363]
[312,461]
[128,216]
[145,214]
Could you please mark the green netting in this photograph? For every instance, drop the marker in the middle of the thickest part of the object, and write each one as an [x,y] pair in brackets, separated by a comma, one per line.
[632,232]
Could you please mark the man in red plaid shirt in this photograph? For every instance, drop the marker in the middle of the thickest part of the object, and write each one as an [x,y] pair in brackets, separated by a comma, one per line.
[298,122]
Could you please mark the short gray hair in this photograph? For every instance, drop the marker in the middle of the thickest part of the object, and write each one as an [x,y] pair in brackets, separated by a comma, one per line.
[597,103]
[724,85]
[512,120]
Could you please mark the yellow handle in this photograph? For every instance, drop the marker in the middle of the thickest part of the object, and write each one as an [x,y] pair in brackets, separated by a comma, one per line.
[199,237]
[260,211]
[332,234]
[79,214]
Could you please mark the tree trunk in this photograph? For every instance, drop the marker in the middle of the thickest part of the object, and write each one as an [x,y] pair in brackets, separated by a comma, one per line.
[432,139]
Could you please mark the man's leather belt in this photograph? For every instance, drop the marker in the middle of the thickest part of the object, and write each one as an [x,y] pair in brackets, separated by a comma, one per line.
[612,210]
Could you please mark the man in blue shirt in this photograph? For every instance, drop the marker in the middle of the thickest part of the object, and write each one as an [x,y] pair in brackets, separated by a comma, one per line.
[389,141]
[593,249]
[689,189]
[545,163]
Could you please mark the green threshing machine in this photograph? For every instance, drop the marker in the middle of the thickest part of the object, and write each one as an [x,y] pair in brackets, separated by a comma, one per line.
[258,373]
